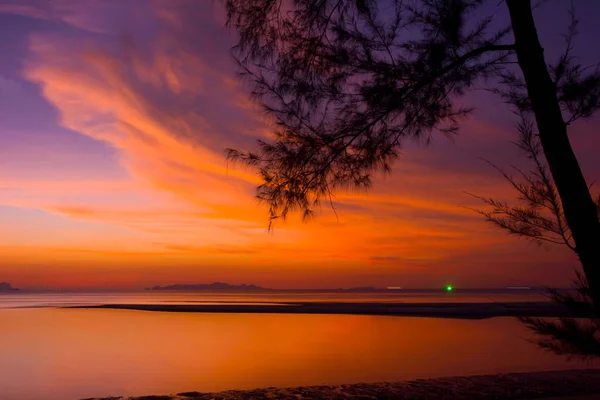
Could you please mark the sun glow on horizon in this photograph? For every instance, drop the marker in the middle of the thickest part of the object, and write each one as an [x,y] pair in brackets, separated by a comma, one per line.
[113,173]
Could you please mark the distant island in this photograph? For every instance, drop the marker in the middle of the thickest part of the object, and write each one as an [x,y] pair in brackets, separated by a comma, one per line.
[208,286]
[6,287]
[216,286]
[221,286]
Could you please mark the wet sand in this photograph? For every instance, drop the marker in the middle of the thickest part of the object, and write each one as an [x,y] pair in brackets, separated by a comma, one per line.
[535,385]
[435,310]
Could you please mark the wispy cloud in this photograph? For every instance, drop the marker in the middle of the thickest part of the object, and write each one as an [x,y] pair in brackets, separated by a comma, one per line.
[154,82]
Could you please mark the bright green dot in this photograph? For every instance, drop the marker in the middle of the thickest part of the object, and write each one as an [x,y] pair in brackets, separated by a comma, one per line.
[449,288]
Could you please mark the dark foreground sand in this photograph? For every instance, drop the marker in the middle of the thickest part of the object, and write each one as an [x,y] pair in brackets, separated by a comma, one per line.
[438,310]
[536,385]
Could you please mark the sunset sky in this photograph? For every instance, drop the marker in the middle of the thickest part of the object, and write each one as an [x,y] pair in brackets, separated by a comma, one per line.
[114,116]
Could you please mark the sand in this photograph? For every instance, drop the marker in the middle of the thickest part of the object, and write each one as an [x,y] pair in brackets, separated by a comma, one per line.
[437,310]
[584,384]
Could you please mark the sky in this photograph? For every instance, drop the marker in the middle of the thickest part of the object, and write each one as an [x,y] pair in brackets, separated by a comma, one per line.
[114,117]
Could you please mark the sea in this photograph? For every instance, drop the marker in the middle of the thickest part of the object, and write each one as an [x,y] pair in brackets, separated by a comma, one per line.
[52,352]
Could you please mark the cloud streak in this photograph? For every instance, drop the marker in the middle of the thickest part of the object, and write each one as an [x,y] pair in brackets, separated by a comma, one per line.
[155,83]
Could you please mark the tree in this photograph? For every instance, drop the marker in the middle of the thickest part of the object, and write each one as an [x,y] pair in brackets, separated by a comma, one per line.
[539,216]
[347,81]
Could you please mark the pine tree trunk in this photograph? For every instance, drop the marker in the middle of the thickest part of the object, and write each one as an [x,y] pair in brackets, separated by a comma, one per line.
[579,208]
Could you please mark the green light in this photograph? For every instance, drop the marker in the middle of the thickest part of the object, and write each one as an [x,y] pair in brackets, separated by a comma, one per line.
[449,288]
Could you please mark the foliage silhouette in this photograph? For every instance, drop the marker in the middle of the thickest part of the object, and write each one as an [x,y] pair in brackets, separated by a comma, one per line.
[345,88]
[346,82]
[539,213]
[538,216]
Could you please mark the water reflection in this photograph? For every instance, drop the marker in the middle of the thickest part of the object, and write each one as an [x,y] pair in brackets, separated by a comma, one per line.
[24,299]
[68,354]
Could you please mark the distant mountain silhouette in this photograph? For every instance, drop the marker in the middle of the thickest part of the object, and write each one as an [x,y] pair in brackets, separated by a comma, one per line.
[6,287]
[252,287]
[209,286]
[361,289]
[220,286]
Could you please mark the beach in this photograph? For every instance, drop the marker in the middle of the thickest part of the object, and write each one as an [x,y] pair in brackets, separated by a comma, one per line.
[299,199]
[551,385]
[575,384]
[103,345]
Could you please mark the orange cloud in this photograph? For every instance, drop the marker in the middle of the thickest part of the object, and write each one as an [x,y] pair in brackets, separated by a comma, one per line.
[161,91]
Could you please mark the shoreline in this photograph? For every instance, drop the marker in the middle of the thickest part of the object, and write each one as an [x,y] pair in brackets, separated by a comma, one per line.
[514,386]
[433,310]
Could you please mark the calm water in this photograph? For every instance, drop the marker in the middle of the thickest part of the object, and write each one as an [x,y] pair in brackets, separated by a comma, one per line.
[161,297]
[54,353]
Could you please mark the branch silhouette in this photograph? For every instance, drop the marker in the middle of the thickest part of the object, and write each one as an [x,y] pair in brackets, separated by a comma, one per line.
[348,82]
